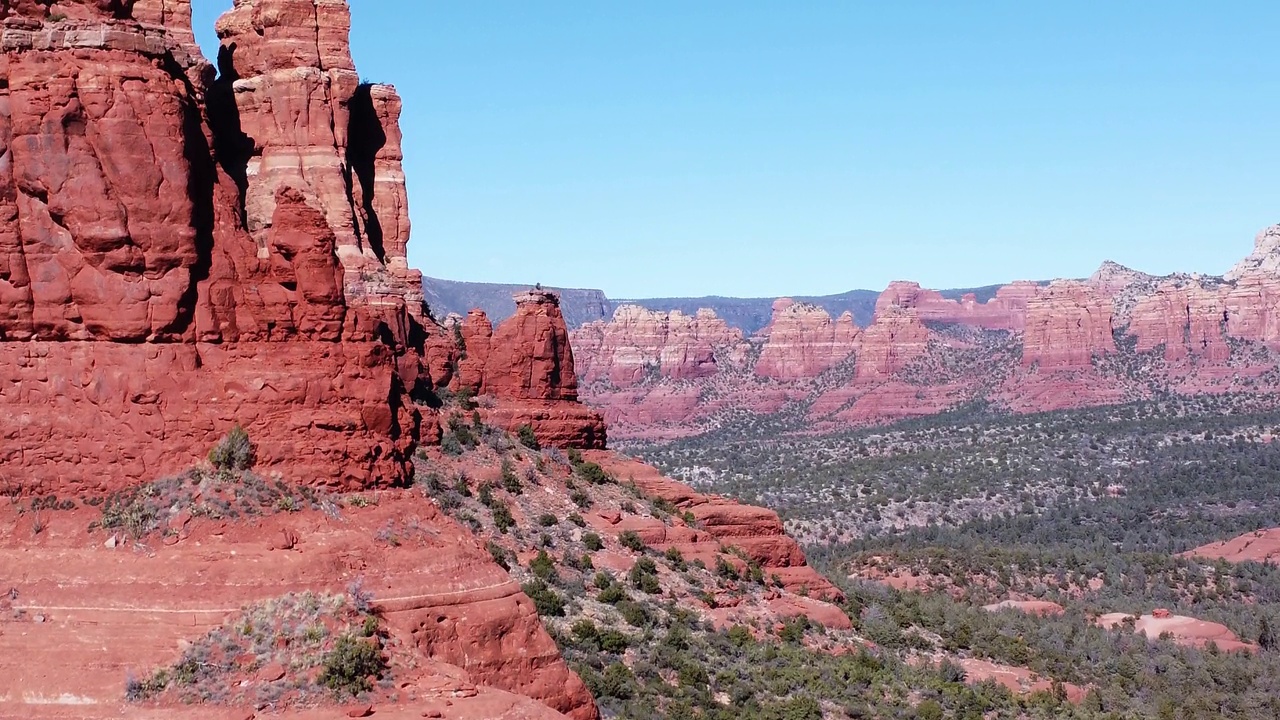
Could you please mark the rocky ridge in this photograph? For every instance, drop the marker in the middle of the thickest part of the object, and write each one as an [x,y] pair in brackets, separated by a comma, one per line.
[1118,335]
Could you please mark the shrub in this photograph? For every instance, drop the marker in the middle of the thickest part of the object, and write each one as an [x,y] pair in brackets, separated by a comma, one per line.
[543,566]
[592,541]
[527,437]
[499,555]
[634,613]
[346,668]
[644,576]
[593,473]
[617,681]
[576,519]
[510,481]
[580,498]
[547,602]
[612,595]
[234,452]
[136,690]
[726,569]
[613,641]
[502,518]
[675,558]
[630,540]
[547,520]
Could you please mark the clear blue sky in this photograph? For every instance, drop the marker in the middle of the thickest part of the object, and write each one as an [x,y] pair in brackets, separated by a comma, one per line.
[751,148]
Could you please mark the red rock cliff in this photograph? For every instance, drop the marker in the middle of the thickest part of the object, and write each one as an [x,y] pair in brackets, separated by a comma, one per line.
[802,341]
[1068,323]
[525,368]
[638,342]
[183,249]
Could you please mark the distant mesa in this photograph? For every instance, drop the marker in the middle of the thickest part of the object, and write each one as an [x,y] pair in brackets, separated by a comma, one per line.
[1119,335]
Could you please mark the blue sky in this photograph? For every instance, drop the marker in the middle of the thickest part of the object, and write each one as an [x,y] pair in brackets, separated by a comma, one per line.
[751,148]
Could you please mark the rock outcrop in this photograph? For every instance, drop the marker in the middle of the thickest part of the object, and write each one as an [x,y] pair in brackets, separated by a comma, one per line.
[803,341]
[895,337]
[1183,318]
[184,249]
[638,344]
[721,523]
[1183,630]
[1006,311]
[1265,258]
[526,368]
[1068,324]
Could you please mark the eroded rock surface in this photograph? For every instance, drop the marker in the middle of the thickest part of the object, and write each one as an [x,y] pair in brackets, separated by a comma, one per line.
[184,248]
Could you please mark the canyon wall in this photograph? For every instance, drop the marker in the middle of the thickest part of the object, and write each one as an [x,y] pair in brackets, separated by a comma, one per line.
[184,248]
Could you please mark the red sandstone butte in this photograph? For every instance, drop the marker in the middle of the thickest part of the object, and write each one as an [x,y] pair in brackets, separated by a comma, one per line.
[637,343]
[894,338]
[525,368]
[1068,323]
[803,341]
[183,249]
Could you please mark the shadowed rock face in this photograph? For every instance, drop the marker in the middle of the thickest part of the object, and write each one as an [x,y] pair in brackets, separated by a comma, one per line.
[184,248]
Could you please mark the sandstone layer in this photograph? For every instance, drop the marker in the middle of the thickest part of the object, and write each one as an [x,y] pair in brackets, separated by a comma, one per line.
[91,609]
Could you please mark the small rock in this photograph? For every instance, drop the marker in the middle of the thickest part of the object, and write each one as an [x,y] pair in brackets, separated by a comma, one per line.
[359,711]
[39,618]
[271,673]
[111,542]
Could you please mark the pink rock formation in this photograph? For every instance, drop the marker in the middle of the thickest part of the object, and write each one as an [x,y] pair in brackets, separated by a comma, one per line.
[802,341]
[1068,323]
[1006,311]
[639,343]
[1184,630]
[1031,607]
[1258,546]
[1187,319]
[894,338]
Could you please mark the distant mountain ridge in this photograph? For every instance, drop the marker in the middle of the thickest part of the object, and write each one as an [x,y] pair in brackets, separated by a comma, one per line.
[583,305]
